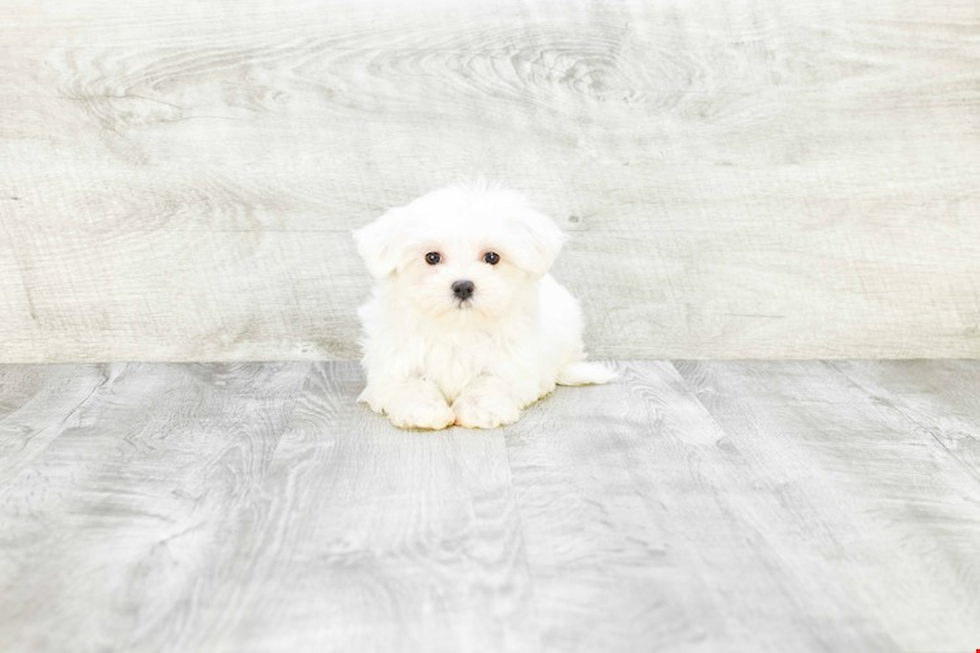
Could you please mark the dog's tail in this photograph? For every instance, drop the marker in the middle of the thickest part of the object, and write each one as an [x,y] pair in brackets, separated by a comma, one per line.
[585,373]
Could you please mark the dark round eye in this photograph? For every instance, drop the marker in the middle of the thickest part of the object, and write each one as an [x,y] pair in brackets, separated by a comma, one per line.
[432,258]
[492,258]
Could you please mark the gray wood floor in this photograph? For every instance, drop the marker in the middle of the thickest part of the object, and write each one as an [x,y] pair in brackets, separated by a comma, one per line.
[735,506]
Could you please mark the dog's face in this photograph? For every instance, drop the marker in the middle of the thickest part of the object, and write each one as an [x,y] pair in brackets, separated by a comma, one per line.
[461,251]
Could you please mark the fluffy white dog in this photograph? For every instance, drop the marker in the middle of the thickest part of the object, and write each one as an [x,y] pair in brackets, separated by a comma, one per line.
[464,325]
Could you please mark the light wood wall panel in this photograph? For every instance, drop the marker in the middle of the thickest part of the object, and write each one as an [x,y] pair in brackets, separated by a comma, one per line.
[740,179]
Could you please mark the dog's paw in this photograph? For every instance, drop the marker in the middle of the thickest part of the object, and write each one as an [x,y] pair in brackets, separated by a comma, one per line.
[433,415]
[411,404]
[485,412]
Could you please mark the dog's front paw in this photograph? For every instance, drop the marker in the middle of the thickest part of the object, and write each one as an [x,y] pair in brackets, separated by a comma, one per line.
[433,415]
[411,404]
[485,411]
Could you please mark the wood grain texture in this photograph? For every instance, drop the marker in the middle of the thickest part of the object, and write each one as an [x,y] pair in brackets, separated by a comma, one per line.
[899,546]
[755,506]
[740,179]
[936,398]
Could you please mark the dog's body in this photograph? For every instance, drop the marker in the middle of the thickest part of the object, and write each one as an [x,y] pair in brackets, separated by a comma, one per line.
[464,325]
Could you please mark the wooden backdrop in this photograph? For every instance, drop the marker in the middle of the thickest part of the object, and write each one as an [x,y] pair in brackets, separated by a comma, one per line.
[750,178]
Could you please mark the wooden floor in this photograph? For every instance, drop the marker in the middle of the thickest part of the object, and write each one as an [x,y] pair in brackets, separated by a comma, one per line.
[710,506]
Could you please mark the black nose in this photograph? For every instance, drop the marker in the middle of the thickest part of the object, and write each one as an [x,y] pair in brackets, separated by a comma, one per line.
[463,289]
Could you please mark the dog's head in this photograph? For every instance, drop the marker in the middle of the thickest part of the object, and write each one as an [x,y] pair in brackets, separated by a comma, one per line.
[472,248]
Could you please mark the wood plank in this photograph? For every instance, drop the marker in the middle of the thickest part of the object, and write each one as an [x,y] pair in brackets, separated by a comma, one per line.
[116,526]
[180,183]
[37,404]
[642,514]
[938,398]
[690,506]
[367,538]
[874,521]
[257,507]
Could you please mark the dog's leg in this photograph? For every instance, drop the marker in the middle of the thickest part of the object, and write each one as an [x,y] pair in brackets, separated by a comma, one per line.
[486,402]
[411,403]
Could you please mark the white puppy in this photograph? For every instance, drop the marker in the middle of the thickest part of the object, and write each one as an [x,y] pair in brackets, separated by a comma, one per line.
[464,325]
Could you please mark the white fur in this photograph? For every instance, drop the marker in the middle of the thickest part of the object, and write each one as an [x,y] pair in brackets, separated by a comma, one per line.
[433,361]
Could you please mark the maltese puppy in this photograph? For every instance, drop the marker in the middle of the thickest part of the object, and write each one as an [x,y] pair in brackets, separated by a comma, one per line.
[465,325]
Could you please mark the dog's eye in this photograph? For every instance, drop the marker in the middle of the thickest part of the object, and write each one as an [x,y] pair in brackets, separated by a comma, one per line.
[492,258]
[432,258]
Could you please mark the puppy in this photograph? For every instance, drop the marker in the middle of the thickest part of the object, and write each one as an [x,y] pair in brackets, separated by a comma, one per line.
[464,325]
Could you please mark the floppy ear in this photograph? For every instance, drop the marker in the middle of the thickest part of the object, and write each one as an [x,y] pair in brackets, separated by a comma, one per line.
[379,243]
[539,241]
